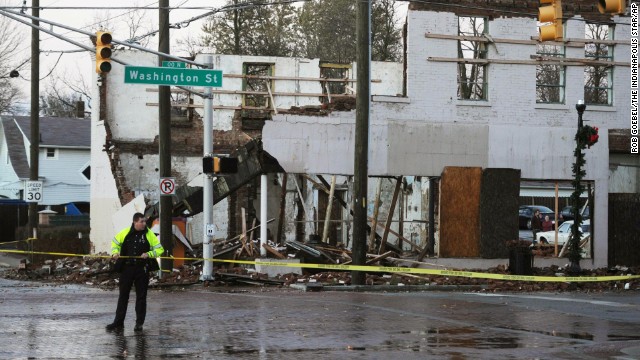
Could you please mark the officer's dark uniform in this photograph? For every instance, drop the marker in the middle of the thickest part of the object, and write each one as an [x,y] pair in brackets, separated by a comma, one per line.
[134,272]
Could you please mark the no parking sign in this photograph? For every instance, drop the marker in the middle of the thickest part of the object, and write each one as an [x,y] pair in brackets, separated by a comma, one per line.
[167,186]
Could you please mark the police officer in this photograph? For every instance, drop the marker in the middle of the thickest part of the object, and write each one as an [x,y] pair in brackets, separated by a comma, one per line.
[138,246]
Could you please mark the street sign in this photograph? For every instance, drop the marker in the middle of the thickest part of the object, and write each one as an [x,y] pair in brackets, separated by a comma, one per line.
[210,229]
[167,186]
[33,191]
[174,64]
[172,77]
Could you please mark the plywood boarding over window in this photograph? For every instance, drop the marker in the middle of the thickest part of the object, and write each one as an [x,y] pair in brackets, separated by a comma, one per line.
[499,202]
[460,212]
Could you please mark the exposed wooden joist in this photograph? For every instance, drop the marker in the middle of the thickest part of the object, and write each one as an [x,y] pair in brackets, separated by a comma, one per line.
[550,61]
[572,42]
[264,93]
[392,209]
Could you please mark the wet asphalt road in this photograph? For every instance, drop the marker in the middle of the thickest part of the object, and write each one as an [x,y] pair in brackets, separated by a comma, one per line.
[42,321]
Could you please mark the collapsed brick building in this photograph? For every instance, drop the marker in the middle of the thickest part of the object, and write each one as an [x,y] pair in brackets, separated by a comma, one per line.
[467,107]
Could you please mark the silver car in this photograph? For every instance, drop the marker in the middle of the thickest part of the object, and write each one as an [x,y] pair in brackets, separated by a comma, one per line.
[564,232]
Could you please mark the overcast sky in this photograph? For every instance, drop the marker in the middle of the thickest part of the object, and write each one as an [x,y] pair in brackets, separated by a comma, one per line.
[75,66]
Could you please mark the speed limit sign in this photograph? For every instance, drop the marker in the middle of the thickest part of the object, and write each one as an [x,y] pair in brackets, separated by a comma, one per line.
[33,191]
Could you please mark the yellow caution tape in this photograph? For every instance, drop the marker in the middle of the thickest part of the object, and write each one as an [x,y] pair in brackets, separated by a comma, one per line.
[367,268]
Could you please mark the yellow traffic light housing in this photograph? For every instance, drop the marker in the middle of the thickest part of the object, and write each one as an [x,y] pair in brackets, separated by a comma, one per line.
[550,14]
[219,165]
[103,52]
[612,6]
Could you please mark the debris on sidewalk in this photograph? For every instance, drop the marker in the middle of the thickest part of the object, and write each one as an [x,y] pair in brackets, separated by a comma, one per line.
[97,271]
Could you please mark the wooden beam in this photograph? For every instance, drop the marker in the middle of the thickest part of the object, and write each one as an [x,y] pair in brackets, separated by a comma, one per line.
[574,42]
[379,257]
[543,61]
[273,251]
[414,245]
[374,223]
[317,184]
[243,237]
[283,203]
[327,217]
[237,237]
[392,209]
[240,76]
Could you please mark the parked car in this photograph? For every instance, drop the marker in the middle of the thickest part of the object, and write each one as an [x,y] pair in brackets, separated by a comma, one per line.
[525,212]
[564,232]
[567,213]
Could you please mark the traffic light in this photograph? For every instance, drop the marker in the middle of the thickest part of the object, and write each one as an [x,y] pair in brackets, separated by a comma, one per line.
[103,52]
[611,6]
[219,165]
[550,14]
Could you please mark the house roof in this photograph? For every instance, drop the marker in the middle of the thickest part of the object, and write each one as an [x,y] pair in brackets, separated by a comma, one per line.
[16,147]
[54,132]
[59,131]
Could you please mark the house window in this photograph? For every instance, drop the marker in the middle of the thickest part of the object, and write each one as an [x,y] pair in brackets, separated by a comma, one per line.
[255,86]
[598,81]
[550,78]
[51,153]
[333,71]
[472,77]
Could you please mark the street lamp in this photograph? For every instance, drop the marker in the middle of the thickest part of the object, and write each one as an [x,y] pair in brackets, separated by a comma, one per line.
[574,240]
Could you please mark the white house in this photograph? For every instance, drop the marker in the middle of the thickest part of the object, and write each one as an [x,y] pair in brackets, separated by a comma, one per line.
[64,158]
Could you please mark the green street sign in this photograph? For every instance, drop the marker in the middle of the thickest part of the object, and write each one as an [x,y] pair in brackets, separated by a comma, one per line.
[172,77]
[174,64]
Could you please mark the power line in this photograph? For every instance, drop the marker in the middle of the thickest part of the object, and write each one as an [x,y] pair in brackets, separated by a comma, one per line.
[110,18]
[240,6]
[50,72]
[108,8]
[9,14]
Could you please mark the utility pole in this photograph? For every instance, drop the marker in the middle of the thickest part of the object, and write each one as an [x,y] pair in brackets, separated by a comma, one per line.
[164,101]
[361,156]
[207,187]
[35,112]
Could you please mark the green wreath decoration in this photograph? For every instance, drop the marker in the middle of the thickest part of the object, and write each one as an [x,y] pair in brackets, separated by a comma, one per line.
[587,136]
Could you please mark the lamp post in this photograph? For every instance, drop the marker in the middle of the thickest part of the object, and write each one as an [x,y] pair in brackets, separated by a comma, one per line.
[576,234]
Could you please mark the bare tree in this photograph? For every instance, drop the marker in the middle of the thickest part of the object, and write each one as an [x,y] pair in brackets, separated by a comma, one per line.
[550,77]
[60,101]
[138,23]
[190,45]
[471,77]
[597,84]
[10,41]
